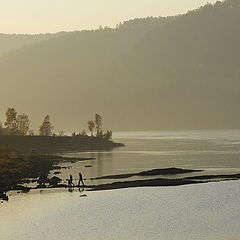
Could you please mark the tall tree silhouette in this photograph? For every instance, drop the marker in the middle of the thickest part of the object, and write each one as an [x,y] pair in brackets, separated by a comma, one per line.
[91,126]
[11,120]
[98,123]
[46,128]
[23,124]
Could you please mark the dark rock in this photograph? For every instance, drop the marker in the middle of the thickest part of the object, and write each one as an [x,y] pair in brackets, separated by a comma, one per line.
[4,197]
[83,195]
[54,181]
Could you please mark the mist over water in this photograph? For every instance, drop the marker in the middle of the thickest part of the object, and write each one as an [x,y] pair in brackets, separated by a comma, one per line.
[174,72]
[215,152]
[202,211]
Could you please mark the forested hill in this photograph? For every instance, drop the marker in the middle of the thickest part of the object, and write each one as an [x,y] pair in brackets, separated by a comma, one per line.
[10,42]
[179,72]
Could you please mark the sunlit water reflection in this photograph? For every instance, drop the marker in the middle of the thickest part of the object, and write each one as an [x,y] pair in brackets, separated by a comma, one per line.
[203,211]
[216,152]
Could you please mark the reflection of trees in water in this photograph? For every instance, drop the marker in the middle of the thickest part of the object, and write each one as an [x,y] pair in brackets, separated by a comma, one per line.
[99,163]
[92,155]
[92,163]
[102,164]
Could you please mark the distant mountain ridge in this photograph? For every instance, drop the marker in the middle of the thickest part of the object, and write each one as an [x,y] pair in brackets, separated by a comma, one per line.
[10,42]
[156,73]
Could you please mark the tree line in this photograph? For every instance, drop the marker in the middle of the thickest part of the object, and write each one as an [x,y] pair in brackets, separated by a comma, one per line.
[96,125]
[19,125]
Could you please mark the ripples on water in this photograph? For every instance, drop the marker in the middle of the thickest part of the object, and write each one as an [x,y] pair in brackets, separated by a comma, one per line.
[214,151]
[198,212]
[204,211]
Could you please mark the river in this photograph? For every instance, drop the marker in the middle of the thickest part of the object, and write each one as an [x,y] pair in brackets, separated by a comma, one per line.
[202,211]
[196,212]
[215,152]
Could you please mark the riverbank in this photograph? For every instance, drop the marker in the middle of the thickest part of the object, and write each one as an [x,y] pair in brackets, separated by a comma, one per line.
[17,168]
[155,181]
[57,144]
[144,161]
[26,157]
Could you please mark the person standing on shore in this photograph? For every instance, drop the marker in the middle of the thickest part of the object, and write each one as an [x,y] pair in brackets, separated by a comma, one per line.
[70,182]
[80,180]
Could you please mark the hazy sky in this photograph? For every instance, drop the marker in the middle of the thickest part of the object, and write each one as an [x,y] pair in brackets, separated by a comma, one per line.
[34,16]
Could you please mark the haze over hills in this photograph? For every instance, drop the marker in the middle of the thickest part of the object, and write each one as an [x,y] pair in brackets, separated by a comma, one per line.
[178,72]
[10,42]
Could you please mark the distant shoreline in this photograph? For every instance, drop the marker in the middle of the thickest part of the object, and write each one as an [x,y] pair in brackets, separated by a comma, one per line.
[57,144]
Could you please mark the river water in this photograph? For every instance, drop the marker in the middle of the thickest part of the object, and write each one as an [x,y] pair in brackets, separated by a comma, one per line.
[207,211]
[215,152]
[203,211]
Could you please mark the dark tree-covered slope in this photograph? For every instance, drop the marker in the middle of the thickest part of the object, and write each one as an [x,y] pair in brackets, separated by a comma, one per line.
[179,72]
[10,42]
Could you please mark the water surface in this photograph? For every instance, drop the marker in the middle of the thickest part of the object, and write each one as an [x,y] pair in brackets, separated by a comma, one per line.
[204,211]
[216,152]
